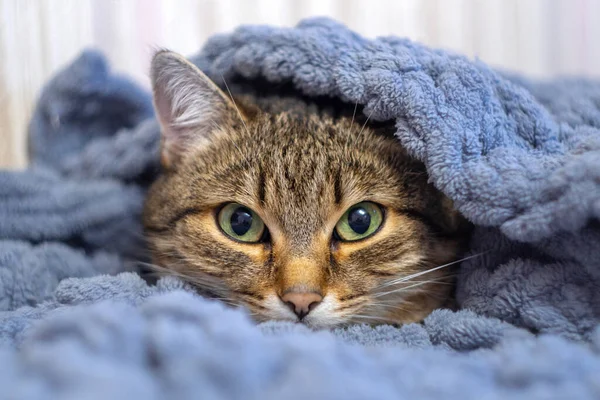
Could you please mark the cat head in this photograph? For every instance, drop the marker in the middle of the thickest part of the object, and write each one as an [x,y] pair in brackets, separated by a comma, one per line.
[312,219]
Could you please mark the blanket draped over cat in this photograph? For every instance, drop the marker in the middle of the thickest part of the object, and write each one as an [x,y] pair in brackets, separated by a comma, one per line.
[520,159]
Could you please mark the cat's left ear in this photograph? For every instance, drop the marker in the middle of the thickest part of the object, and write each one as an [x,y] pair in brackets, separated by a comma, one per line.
[189,106]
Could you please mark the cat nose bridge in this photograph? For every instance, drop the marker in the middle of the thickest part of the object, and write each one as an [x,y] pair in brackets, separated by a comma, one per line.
[301,272]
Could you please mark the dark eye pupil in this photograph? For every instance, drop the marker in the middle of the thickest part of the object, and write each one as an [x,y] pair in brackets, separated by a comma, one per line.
[359,220]
[241,221]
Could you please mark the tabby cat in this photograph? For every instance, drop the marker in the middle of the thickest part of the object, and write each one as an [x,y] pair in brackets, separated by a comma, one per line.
[311,219]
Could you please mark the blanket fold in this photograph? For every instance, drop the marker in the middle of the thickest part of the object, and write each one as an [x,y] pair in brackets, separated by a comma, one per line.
[520,158]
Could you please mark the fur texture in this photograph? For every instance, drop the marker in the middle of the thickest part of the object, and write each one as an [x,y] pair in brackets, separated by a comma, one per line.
[300,175]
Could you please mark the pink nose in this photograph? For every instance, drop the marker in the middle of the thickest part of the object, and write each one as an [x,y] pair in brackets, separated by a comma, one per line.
[301,303]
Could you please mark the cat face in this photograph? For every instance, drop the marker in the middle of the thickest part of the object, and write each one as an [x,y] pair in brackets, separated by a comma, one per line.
[313,220]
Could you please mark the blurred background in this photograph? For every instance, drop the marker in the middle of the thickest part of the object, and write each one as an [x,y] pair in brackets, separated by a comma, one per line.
[540,38]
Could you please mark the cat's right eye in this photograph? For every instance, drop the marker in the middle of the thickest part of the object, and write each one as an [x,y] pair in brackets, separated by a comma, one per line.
[241,223]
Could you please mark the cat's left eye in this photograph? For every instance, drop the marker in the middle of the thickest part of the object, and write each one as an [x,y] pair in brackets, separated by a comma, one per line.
[359,222]
[241,223]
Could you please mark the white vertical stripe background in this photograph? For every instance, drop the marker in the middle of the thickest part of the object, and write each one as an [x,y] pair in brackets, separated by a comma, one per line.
[541,38]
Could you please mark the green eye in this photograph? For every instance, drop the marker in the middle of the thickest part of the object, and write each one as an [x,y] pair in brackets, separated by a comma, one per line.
[241,223]
[360,221]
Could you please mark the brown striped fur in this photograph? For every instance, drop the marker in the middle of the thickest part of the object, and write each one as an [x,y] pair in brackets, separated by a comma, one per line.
[300,174]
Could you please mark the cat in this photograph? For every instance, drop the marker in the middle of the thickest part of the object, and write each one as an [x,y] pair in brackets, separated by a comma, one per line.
[310,219]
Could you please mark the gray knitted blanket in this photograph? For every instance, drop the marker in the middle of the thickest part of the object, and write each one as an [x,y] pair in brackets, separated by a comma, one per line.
[521,159]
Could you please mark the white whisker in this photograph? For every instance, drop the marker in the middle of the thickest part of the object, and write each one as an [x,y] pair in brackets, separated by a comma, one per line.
[402,289]
[212,285]
[235,105]
[385,305]
[351,125]
[416,275]
[239,115]
[365,124]
[372,318]
[354,113]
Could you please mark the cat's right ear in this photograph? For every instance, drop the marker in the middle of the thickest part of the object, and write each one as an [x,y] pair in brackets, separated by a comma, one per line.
[189,106]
